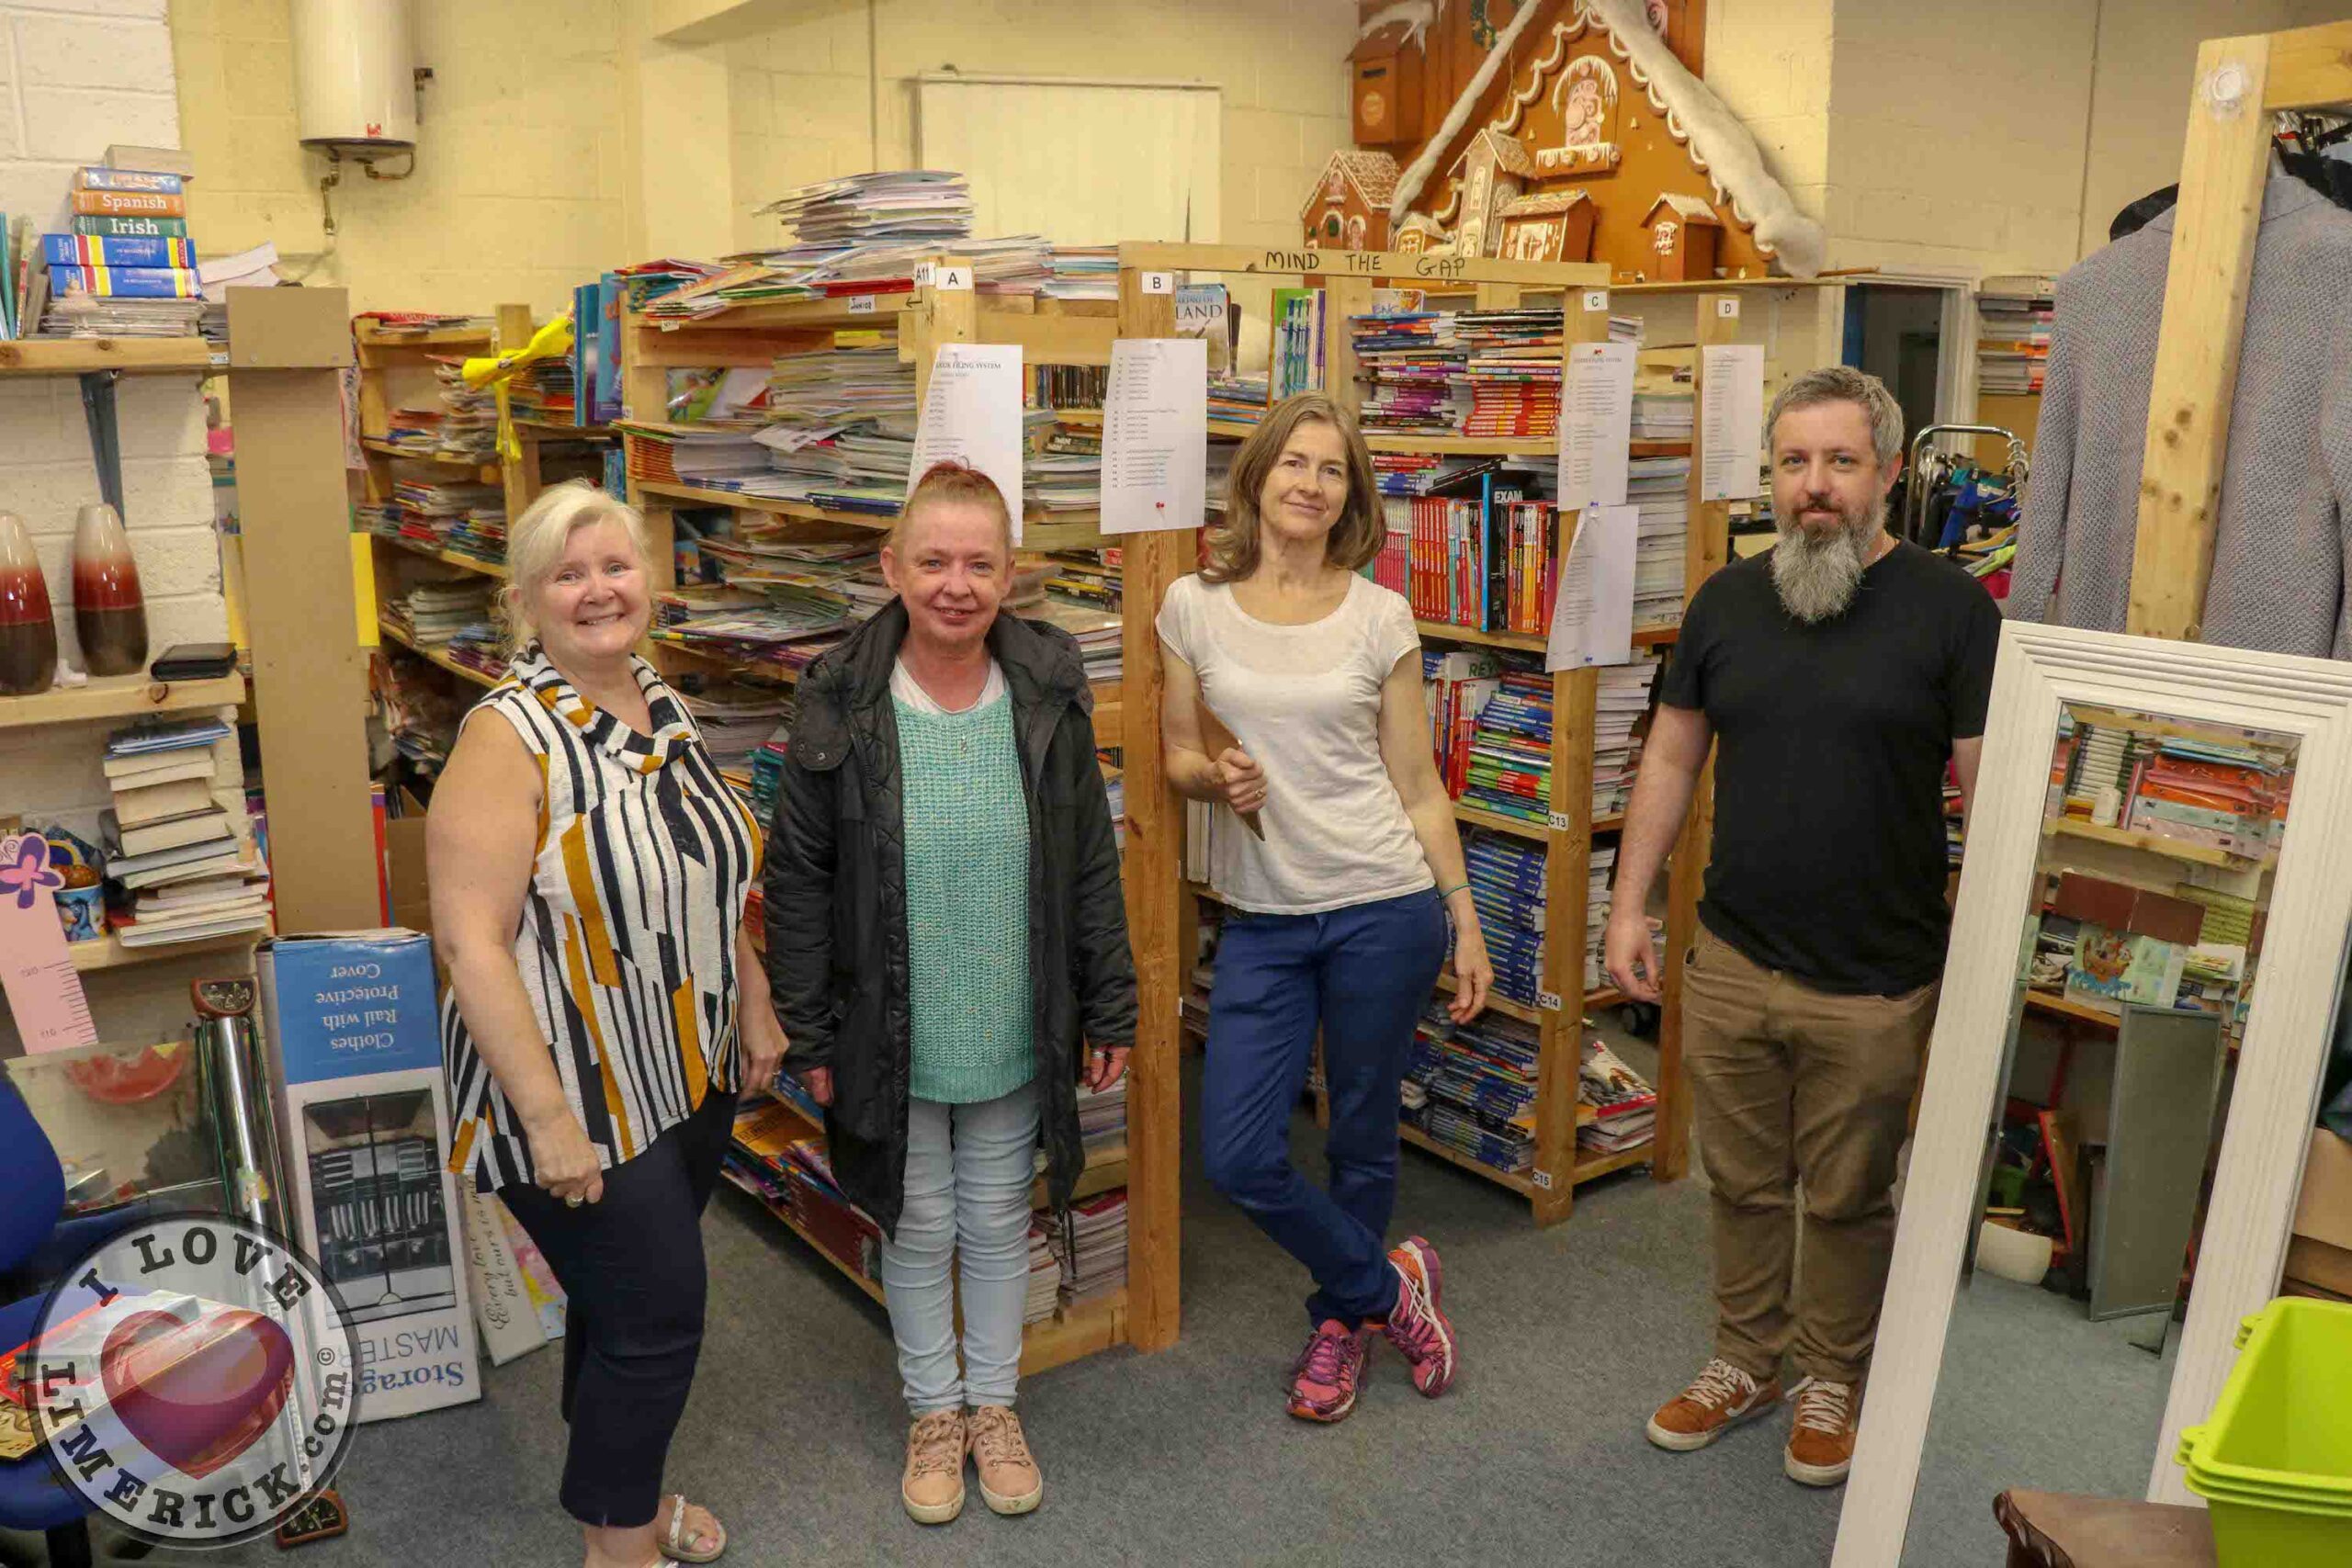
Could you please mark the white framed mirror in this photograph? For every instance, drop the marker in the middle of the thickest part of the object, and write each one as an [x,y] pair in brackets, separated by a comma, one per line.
[2186,1162]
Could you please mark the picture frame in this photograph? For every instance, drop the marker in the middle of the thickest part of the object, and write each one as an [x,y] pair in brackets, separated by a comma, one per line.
[2275,1100]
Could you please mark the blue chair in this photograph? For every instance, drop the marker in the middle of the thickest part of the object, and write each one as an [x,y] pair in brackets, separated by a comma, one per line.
[35,1245]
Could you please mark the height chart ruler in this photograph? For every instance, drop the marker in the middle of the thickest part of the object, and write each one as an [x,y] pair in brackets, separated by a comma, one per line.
[45,995]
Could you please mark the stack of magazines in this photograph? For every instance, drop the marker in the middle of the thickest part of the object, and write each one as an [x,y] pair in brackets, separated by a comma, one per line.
[1045,1277]
[1092,1248]
[1625,1106]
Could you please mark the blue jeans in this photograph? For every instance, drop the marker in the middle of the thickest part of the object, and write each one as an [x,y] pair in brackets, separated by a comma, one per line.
[970,1168]
[1363,974]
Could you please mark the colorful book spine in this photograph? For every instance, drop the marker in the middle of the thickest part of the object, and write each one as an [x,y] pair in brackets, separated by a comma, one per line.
[126,282]
[86,250]
[132,228]
[129,203]
[96,178]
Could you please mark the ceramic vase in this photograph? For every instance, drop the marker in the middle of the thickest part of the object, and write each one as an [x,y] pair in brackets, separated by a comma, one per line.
[109,612]
[28,631]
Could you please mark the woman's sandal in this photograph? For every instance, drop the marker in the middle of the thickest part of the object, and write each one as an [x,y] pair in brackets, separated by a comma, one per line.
[674,1540]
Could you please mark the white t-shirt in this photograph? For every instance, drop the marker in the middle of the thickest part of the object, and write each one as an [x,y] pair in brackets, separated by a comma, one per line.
[1305,703]
[905,688]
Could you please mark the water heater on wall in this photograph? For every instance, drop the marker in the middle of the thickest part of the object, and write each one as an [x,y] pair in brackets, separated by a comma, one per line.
[355,77]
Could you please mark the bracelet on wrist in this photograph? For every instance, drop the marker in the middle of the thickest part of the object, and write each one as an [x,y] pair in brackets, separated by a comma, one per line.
[1445,893]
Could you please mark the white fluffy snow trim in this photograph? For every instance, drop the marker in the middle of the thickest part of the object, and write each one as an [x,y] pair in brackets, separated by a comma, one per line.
[1417,173]
[1719,146]
[1417,16]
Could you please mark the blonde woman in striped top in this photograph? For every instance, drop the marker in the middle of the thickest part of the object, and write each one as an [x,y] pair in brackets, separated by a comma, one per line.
[588,872]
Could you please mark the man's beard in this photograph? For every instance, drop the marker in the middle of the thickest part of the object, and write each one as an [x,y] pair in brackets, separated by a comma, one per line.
[1817,572]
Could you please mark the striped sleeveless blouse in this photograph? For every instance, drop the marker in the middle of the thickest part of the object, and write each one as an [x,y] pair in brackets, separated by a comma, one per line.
[627,943]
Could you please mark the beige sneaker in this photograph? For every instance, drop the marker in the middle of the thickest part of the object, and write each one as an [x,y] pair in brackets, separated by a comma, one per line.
[1010,1479]
[932,1488]
[1821,1434]
[1721,1399]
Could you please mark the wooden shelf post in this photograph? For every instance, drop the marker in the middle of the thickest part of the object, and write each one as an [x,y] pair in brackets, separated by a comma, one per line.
[287,350]
[1150,562]
[1706,548]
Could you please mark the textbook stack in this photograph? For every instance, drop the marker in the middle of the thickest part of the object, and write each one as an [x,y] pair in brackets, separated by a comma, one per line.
[1456,685]
[775,1157]
[469,415]
[177,836]
[428,507]
[1482,561]
[125,268]
[1625,1105]
[1661,415]
[1659,489]
[1411,366]
[1506,885]
[1509,769]
[1092,1248]
[1471,1086]
[1622,697]
[2014,316]
[433,612]
[1513,372]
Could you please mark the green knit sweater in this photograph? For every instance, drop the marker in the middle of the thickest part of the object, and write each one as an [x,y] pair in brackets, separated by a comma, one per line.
[967,903]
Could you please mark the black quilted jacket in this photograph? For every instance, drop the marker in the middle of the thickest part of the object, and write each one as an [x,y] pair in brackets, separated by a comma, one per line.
[836,894]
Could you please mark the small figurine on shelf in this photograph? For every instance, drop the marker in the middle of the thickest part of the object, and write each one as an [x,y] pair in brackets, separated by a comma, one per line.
[109,611]
[28,629]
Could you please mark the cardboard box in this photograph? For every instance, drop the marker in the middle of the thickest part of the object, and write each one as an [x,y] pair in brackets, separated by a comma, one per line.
[2319,1255]
[411,894]
[363,1113]
[2120,907]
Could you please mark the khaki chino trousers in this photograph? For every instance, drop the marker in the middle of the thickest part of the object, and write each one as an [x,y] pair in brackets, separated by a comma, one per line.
[1798,1088]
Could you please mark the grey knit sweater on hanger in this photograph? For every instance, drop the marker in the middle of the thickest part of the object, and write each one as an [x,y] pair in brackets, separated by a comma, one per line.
[2284,542]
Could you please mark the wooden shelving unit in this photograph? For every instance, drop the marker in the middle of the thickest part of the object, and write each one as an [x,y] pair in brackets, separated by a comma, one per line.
[119,697]
[131,356]
[1145,1313]
[2152,843]
[108,952]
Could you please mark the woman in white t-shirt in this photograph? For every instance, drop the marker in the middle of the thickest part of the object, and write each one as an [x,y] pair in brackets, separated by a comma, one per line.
[1336,915]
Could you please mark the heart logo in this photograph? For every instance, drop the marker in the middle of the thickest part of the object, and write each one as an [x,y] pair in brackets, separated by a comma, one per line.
[197,1394]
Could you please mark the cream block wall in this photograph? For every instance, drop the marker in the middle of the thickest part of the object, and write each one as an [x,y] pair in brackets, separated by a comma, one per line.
[522,171]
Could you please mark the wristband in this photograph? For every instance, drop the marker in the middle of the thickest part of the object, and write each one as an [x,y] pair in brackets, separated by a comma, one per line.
[1448,893]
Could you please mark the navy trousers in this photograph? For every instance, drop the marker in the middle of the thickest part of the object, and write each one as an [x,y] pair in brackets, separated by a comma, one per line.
[1362,975]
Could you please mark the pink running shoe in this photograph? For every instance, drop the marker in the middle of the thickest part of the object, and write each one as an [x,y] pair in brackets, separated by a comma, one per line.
[1328,1371]
[1417,1326]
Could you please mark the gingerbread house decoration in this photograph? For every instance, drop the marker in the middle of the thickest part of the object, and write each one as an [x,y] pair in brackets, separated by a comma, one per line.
[1603,102]
[1494,170]
[1555,226]
[1419,236]
[1683,230]
[1387,65]
[1349,205]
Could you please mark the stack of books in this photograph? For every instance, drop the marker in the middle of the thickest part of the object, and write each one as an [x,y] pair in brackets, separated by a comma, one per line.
[1509,771]
[1085,577]
[1061,470]
[1295,362]
[1529,543]
[1044,1276]
[1661,415]
[1411,366]
[1092,1248]
[479,534]
[177,837]
[1455,685]
[1076,387]
[736,720]
[1237,399]
[1082,272]
[1102,1116]
[429,507]
[1513,372]
[707,459]
[1622,698]
[125,266]
[419,711]
[1098,633]
[1507,884]
[1660,489]
[824,389]
[1625,1105]
[431,614]
[479,647]
[775,1157]
[415,431]
[2014,315]
[1596,914]
[1471,1086]
[469,415]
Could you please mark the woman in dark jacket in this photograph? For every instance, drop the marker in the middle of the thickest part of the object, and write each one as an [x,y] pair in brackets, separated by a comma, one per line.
[944,922]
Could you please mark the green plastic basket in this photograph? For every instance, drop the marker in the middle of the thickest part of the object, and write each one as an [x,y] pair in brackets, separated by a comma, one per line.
[2274,1462]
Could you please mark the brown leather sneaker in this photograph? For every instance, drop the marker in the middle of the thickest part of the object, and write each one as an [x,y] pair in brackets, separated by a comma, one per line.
[1821,1434]
[932,1488]
[1010,1482]
[1721,1399]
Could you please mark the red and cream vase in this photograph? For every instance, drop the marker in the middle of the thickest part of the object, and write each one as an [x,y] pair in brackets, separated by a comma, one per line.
[109,612]
[28,631]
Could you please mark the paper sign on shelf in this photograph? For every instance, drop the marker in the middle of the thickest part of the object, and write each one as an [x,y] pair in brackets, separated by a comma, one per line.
[1156,434]
[953,280]
[1159,283]
[1731,421]
[973,416]
[1596,298]
[861,304]
[1593,616]
[45,997]
[923,274]
[1596,424]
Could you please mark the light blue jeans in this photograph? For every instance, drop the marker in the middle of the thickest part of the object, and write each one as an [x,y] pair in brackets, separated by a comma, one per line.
[970,1168]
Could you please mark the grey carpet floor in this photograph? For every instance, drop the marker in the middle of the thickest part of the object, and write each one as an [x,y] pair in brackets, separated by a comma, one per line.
[1570,1337]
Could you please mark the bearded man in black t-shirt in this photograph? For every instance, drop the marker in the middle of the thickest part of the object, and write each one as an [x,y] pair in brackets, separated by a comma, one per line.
[1837,675]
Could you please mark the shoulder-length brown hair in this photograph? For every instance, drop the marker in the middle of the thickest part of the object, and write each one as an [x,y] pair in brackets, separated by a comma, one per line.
[1354,539]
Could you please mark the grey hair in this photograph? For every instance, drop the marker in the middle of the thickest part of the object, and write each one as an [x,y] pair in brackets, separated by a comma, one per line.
[535,545]
[1844,384]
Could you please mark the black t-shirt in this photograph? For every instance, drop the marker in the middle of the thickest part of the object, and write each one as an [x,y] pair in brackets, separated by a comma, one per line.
[1832,740]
